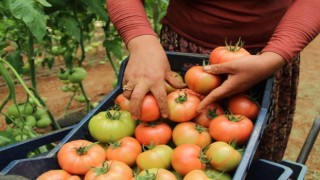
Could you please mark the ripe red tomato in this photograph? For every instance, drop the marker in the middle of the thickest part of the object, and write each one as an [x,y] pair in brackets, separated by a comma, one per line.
[244,105]
[155,132]
[123,102]
[57,174]
[158,156]
[206,115]
[149,108]
[191,133]
[200,81]
[182,105]
[110,170]
[187,157]
[76,157]
[168,87]
[230,128]
[222,156]
[227,53]
[125,150]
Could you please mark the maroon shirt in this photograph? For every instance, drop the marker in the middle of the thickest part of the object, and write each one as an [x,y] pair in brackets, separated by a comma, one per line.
[280,26]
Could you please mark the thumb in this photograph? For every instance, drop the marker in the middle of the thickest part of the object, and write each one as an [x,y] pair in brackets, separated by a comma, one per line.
[223,68]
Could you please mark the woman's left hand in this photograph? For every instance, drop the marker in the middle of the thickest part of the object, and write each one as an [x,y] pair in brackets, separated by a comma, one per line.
[243,73]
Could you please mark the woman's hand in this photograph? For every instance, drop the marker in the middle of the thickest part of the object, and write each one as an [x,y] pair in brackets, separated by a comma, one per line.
[147,70]
[243,73]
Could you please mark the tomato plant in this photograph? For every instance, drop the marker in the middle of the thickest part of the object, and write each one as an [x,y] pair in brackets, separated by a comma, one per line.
[222,156]
[156,174]
[77,156]
[209,113]
[125,150]
[200,81]
[111,125]
[244,105]
[149,108]
[182,105]
[155,132]
[230,128]
[158,156]
[57,174]
[227,53]
[110,170]
[191,133]
[188,157]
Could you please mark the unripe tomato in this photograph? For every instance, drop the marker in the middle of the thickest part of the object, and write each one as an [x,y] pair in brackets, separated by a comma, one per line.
[77,75]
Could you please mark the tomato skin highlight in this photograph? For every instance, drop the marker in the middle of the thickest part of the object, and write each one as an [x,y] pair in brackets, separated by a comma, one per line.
[228,128]
[155,133]
[71,160]
[182,105]
[200,81]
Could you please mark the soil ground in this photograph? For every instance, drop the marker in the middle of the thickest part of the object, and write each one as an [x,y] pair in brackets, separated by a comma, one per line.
[98,84]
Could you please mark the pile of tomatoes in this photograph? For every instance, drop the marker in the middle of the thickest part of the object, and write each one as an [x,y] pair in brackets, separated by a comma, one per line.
[187,145]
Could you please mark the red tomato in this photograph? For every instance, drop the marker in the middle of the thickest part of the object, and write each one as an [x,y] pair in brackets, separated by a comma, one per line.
[230,128]
[123,102]
[57,174]
[187,157]
[222,156]
[155,132]
[110,170]
[244,105]
[200,81]
[125,150]
[191,133]
[156,174]
[182,105]
[206,115]
[76,157]
[227,53]
[149,108]
[168,87]
[158,156]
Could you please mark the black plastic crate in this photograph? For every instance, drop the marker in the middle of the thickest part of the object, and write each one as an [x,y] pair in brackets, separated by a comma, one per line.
[179,62]
[299,170]
[266,170]
[21,149]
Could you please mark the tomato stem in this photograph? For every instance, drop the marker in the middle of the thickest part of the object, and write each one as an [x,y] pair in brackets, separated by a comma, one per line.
[200,128]
[103,169]
[113,114]
[82,150]
[182,98]
[236,47]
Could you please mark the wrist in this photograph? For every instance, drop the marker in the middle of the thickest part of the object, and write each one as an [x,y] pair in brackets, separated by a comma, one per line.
[143,41]
[274,59]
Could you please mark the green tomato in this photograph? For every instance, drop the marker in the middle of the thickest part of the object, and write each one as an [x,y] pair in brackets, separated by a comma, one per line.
[81,99]
[115,81]
[25,109]
[55,50]
[44,122]
[111,125]
[65,88]
[21,137]
[63,74]
[157,157]
[40,112]
[30,121]
[77,75]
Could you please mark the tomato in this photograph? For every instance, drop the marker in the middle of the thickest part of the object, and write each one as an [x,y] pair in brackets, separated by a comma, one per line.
[182,105]
[214,174]
[63,74]
[244,105]
[227,53]
[110,170]
[111,125]
[81,98]
[222,156]
[206,115]
[31,121]
[207,174]
[24,109]
[196,174]
[77,156]
[191,133]
[39,113]
[230,128]
[155,132]
[57,174]
[168,87]
[187,157]
[158,156]
[43,122]
[77,74]
[149,108]
[123,102]
[125,150]
[156,174]
[200,81]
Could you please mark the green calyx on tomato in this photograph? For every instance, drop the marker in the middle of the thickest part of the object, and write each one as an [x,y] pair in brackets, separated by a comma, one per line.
[236,47]
[200,128]
[212,113]
[77,75]
[182,98]
[82,150]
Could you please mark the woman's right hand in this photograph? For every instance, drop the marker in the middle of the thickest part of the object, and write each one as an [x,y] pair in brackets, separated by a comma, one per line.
[147,70]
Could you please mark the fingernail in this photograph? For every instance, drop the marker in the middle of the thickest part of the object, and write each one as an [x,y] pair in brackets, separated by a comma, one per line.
[206,68]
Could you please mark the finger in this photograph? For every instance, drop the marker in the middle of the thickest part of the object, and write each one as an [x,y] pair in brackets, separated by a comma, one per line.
[159,92]
[136,98]
[128,89]
[175,80]
[223,68]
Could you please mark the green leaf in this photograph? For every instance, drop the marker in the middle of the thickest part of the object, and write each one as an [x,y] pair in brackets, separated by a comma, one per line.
[15,59]
[31,15]
[71,26]
[114,46]
[44,3]
[97,7]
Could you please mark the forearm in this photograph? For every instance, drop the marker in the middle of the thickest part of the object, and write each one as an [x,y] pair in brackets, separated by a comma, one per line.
[299,26]
[129,18]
